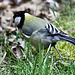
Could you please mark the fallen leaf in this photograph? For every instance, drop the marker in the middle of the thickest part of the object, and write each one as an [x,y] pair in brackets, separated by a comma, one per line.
[16,49]
[53,4]
[4,4]
[7,17]
[11,39]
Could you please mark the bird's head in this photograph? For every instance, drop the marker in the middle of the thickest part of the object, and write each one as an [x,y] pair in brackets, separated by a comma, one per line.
[19,18]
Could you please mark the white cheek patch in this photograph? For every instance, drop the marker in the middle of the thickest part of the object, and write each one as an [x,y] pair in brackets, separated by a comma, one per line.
[26,14]
[17,20]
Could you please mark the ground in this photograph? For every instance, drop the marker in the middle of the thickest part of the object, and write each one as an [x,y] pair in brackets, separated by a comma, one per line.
[17,57]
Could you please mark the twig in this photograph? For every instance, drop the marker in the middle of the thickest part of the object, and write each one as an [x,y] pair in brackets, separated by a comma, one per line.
[3,57]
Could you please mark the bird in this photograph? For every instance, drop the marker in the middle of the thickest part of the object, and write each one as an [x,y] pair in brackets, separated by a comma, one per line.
[38,29]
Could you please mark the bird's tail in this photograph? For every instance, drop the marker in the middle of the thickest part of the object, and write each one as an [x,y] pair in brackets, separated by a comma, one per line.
[68,39]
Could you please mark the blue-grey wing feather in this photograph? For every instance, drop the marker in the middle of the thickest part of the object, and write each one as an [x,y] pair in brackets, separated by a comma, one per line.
[53,30]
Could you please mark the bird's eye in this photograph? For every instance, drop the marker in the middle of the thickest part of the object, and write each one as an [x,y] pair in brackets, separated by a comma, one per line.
[17,20]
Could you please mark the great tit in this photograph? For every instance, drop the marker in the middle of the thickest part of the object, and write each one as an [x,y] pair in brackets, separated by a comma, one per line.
[38,29]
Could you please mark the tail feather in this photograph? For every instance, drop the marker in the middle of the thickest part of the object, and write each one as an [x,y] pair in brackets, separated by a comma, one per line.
[68,39]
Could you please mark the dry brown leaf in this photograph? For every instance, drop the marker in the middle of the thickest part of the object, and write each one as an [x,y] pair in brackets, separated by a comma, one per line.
[22,44]
[12,39]
[36,1]
[53,4]
[4,4]
[7,21]
[18,2]
[18,53]
[7,18]
[9,29]
[16,49]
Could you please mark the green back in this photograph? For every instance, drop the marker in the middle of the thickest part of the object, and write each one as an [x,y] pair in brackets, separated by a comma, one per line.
[33,23]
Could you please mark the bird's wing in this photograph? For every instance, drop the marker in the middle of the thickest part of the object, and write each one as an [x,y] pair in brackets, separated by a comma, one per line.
[53,30]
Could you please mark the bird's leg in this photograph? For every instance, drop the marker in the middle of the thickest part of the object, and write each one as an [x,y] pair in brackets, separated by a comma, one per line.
[59,52]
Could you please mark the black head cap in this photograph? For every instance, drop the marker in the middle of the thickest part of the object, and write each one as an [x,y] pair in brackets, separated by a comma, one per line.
[20,17]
